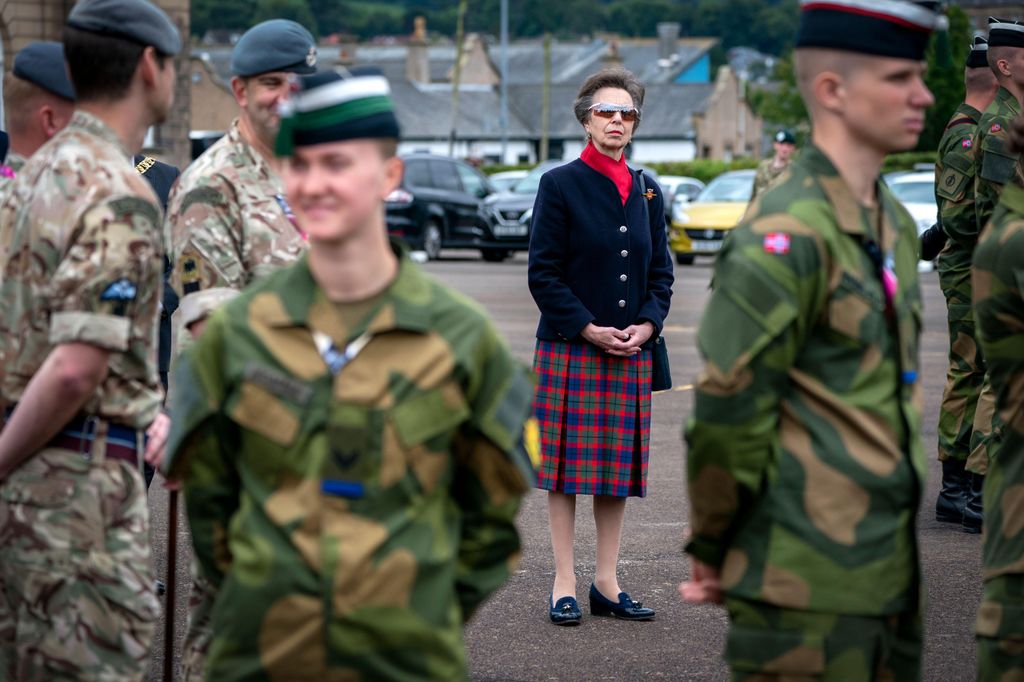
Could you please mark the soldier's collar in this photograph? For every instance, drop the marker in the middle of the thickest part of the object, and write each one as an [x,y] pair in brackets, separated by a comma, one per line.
[1004,96]
[848,212]
[407,307]
[83,120]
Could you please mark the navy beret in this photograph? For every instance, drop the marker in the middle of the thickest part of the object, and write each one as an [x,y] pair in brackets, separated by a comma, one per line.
[895,28]
[42,63]
[275,45]
[139,21]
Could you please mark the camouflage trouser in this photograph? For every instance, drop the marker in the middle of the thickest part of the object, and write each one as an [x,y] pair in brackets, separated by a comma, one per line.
[1000,630]
[968,406]
[76,586]
[199,633]
[771,643]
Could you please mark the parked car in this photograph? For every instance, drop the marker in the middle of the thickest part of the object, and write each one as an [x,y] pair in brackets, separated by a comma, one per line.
[440,205]
[700,227]
[505,180]
[916,191]
[678,188]
[512,209]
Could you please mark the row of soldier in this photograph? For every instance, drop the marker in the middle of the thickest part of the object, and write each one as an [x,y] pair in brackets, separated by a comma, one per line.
[350,434]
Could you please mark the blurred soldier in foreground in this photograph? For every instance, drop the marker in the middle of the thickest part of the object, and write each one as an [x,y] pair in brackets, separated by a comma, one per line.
[999,311]
[38,102]
[349,432]
[805,463]
[230,225]
[81,288]
[995,166]
[954,195]
[770,169]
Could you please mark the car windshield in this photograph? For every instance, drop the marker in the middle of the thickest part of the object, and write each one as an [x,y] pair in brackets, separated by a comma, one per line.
[531,183]
[916,192]
[729,188]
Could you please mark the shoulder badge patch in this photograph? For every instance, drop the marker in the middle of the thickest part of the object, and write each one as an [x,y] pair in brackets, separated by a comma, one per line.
[967,144]
[776,243]
[995,128]
[121,290]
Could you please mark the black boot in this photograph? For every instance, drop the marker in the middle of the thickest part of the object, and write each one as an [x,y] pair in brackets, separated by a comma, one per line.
[973,510]
[949,507]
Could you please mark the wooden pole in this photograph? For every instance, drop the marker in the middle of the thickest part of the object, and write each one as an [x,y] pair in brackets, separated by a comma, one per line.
[172,560]
[460,30]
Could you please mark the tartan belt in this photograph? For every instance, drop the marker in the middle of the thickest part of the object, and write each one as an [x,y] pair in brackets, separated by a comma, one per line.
[79,434]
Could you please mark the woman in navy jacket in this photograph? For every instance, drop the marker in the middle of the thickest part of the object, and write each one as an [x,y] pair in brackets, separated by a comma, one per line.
[601,276]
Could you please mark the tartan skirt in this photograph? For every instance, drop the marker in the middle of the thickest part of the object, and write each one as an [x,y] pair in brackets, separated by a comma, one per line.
[594,413]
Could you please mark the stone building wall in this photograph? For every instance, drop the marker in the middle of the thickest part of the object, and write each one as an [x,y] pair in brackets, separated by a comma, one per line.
[23,21]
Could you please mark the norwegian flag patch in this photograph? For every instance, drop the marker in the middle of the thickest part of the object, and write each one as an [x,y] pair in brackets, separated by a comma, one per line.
[995,128]
[968,144]
[776,242]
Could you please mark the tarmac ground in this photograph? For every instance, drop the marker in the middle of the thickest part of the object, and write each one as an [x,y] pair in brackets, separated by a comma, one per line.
[510,638]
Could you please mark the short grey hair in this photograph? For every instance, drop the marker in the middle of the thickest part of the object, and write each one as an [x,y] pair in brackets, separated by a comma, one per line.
[608,78]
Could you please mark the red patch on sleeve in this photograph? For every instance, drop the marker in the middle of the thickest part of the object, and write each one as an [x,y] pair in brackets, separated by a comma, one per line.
[776,242]
[967,144]
[995,128]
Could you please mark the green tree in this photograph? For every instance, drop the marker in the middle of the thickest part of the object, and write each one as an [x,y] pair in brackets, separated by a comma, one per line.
[945,82]
[296,10]
[780,104]
[206,15]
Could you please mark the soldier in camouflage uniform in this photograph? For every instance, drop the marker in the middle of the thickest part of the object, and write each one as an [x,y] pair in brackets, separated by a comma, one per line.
[770,169]
[995,166]
[81,287]
[954,195]
[230,225]
[999,311]
[805,464]
[349,432]
[38,100]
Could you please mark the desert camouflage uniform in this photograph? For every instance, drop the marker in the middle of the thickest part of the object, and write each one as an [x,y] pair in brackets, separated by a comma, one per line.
[351,522]
[805,465]
[995,166]
[999,310]
[954,195]
[84,266]
[228,224]
[765,175]
[13,165]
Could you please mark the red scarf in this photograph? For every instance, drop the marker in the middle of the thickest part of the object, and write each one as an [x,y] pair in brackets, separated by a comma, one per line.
[616,171]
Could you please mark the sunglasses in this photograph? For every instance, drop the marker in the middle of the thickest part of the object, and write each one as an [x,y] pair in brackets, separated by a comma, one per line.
[604,110]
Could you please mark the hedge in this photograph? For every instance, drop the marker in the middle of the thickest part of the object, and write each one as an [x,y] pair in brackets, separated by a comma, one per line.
[708,169]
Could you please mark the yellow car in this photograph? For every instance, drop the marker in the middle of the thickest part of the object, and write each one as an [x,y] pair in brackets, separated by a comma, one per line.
[699,227]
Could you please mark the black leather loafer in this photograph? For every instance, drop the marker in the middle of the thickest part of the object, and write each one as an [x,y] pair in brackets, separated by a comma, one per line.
[626,608]
[565,611]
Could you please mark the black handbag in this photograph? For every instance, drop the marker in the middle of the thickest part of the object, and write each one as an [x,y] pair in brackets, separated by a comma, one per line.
[661,372]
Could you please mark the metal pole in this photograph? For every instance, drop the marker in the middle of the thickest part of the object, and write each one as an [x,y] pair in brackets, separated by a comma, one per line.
[460,30]
[545,100]
[504,81]
[172,570]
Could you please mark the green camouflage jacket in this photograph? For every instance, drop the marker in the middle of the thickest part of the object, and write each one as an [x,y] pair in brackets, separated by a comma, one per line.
[954,184]
[228,225]
[352,522]
[805,464]
[995,165]
[84,264]
[998,279]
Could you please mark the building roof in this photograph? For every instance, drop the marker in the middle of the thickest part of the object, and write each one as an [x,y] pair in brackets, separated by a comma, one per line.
[424,109]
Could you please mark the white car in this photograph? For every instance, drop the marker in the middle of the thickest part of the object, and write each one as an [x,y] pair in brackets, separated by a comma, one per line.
[916,191]
[504,180]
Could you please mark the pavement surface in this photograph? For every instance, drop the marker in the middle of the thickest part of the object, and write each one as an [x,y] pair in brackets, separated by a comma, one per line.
[511,638]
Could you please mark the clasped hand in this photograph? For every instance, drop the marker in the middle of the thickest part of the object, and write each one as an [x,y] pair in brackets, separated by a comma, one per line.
[621,342]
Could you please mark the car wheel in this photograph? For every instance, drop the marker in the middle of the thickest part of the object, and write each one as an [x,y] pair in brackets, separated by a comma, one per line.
[432,240]
[684,258]
[495,255]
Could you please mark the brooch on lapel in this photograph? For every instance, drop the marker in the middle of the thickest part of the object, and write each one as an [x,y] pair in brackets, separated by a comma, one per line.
[649,194]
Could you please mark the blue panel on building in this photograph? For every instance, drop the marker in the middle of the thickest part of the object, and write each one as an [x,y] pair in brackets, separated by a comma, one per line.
[698,72]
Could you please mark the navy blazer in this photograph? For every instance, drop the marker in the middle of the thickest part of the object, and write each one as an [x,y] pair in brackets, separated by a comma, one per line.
[593,259]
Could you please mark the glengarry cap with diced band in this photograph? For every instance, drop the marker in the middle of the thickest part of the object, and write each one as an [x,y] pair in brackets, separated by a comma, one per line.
[885,28]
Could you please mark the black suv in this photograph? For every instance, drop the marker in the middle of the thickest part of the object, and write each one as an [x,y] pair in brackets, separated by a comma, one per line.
[440,204]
